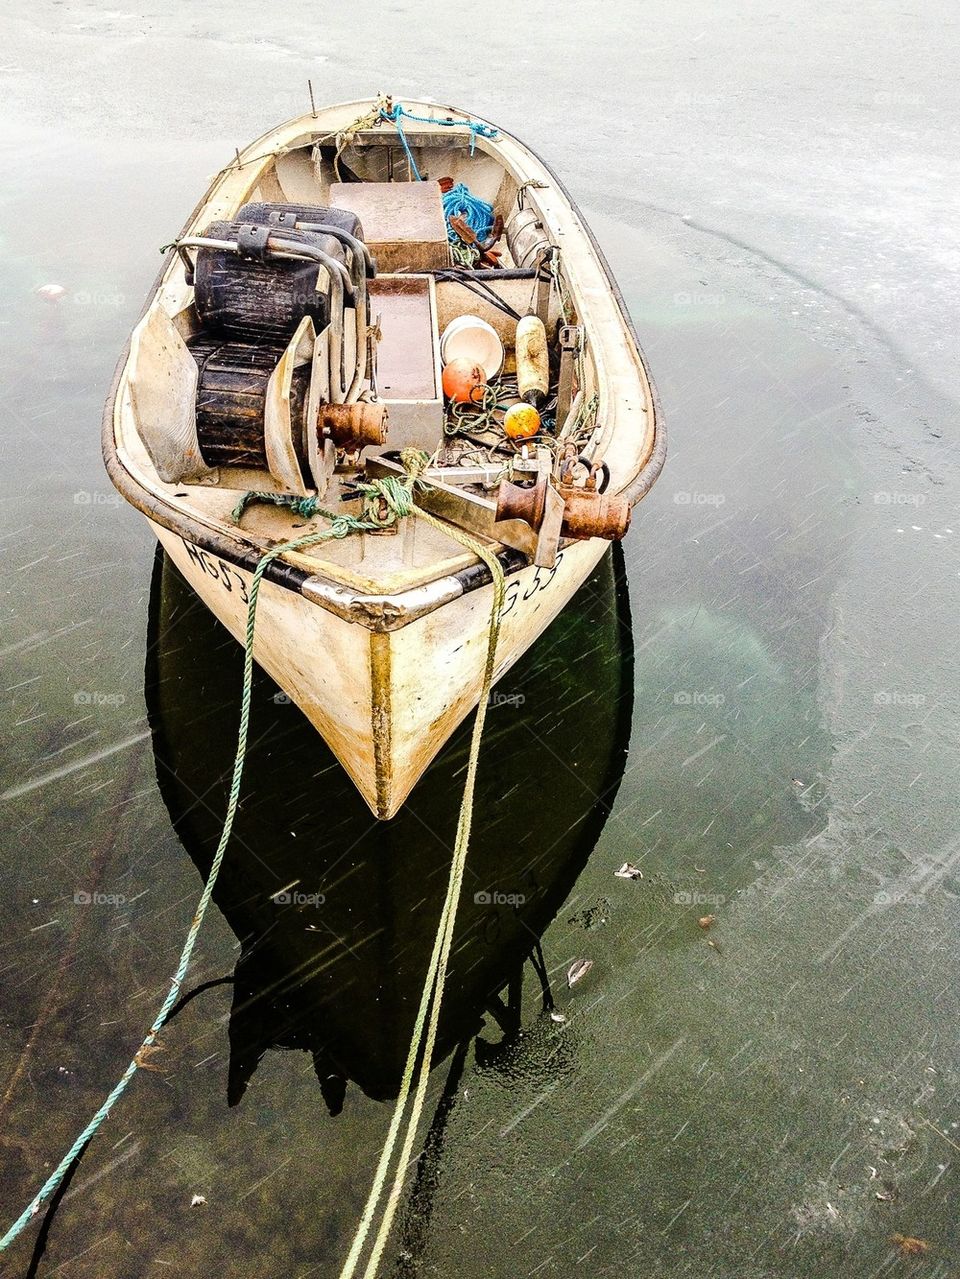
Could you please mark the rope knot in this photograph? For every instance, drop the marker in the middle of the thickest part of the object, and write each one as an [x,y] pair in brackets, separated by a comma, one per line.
[386,501]
[414,462]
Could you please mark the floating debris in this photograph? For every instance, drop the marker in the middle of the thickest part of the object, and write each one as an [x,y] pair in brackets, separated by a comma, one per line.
[629,871]
[558,1017]
[706,921]
[50,292]
[910,1246]
[578,969]
[198,1201]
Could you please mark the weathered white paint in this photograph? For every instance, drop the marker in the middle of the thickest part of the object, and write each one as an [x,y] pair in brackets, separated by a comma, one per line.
[385,703]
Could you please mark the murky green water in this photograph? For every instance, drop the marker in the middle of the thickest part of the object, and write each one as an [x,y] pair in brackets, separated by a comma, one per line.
[758,707]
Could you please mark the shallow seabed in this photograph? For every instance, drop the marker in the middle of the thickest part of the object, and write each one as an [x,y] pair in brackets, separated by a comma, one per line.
[771,713]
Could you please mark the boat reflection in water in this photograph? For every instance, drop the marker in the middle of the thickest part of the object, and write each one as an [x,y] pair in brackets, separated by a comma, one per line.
[335,912]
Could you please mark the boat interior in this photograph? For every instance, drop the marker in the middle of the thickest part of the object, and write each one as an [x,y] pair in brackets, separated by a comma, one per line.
[305,329]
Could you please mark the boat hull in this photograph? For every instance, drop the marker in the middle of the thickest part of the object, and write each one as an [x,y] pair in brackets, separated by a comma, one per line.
[386,701]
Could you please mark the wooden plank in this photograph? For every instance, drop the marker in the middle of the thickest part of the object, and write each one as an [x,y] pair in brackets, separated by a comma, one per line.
[450,139]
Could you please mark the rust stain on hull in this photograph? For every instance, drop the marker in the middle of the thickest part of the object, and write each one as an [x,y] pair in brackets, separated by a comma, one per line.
[380,719]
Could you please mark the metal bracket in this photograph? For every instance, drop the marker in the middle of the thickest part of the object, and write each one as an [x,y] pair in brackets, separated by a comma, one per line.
[571,344]
[544,505]
[283,217]
[441,495]
[486,477]
[253,240]
[543,286]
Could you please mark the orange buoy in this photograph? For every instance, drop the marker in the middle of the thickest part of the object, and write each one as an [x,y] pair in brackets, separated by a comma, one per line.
[521,422]
[464,381]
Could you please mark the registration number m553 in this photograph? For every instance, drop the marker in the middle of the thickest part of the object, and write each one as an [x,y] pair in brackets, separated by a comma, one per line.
[229,577]
[231,580]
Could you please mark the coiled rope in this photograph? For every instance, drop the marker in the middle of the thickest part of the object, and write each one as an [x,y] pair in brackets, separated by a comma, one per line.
[460,202]
[397,496]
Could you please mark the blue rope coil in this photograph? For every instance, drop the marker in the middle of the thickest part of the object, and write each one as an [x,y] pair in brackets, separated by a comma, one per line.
[460,202]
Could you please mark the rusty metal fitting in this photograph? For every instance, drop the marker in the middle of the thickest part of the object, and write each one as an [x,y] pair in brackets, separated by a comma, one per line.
[523,502]
[587,513]
[353,426]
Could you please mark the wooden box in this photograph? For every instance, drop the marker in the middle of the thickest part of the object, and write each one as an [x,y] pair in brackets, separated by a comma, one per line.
[403,222]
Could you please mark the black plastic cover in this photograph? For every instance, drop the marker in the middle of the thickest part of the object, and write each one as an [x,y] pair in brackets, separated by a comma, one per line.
[252,297]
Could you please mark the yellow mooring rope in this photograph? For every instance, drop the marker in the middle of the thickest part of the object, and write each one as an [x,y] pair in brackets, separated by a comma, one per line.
[428,1013]
[397,497]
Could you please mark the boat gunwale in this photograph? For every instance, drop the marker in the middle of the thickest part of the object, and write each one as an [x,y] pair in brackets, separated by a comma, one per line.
[376,612]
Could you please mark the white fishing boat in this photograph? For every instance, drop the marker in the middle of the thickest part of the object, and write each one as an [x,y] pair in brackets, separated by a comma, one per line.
[337,277]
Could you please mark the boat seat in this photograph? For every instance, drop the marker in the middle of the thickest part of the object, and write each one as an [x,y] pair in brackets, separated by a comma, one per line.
[405,226]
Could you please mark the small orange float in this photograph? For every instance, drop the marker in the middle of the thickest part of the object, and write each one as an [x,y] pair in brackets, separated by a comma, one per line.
[464,381]
[521,422]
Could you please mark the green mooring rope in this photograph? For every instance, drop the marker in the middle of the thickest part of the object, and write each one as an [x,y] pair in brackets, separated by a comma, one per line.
[432,994]
[56,1177]
[397,496]
[384,501]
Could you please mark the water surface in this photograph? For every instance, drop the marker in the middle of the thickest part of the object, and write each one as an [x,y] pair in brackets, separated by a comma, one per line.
[769,695]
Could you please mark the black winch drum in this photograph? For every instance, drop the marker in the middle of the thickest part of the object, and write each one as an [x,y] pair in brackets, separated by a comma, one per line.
[231,399]
[249,307]
[342,219]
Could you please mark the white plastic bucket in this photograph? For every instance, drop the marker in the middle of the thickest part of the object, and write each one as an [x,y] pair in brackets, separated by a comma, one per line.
[470,338]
